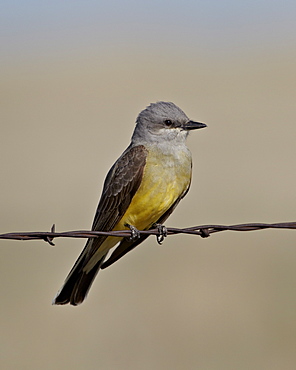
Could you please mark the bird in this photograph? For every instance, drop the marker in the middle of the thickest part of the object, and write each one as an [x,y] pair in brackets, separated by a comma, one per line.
[141,190]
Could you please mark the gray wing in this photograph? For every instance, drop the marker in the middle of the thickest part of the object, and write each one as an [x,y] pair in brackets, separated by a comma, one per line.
[121,184]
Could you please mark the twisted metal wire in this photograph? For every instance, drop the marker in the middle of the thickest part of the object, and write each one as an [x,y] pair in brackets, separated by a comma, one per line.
[202,230]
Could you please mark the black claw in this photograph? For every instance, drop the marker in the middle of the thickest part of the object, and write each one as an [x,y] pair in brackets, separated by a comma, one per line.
[162,233]
[135,233]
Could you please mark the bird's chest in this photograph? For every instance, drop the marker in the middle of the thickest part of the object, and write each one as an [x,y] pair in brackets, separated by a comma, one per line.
[165,179]
[166,175]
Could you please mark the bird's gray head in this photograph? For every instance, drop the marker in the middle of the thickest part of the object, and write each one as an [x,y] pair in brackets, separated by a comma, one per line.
[163,121]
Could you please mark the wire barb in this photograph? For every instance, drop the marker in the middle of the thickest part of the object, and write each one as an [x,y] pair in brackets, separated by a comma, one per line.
[49,239]
[204,233]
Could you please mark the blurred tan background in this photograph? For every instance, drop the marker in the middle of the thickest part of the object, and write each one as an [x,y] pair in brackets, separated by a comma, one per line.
[74,76]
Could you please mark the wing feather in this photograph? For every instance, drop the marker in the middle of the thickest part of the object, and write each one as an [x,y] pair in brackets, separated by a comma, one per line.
[121,184]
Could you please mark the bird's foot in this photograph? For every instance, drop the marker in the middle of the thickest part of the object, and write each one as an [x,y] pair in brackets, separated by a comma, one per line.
[135,233]
[162,232]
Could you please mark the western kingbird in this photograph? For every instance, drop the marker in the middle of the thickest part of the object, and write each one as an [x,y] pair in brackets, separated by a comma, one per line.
[142,189]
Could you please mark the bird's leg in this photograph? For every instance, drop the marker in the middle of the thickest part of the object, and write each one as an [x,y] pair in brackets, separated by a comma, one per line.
[135,233]
[162,232]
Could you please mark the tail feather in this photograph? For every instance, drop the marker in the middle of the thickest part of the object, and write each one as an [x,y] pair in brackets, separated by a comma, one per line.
[79,281]
[76,287]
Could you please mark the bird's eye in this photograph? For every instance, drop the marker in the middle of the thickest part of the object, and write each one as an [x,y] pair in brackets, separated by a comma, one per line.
[168,122]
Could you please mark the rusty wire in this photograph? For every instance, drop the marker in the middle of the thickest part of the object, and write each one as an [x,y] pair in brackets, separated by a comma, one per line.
[203,231]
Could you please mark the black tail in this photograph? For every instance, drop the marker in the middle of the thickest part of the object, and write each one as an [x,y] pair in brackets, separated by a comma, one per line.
[78,282]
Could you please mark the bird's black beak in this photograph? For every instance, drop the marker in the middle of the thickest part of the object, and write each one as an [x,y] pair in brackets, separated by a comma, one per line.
[191,125]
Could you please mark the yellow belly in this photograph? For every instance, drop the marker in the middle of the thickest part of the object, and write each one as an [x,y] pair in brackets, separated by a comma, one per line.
[165,179]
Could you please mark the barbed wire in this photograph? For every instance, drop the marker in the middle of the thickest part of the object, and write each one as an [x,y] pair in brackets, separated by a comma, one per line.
[160,232]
